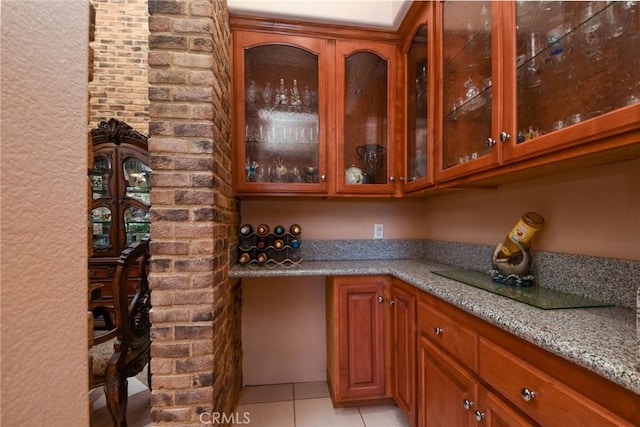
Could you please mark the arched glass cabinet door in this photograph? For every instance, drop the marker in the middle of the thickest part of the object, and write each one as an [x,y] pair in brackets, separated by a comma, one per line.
[417,151]
[365,118]
[280,90]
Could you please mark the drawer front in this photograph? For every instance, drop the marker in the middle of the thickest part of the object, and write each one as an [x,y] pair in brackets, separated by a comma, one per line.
[448,334]
[541,397]
[101,272]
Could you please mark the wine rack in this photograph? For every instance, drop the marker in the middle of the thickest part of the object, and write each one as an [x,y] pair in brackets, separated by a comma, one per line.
[270,247]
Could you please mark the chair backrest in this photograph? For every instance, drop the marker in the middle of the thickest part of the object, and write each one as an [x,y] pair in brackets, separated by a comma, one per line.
[132,318]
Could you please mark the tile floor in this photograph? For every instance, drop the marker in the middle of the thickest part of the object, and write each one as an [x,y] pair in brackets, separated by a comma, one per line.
[138,405]
[308,405]
[279,405]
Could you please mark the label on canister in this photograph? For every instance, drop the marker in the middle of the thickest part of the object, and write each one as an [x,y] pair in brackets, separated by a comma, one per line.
[522,233]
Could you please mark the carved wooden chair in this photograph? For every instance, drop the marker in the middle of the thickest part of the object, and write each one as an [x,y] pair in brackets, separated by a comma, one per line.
[123,351]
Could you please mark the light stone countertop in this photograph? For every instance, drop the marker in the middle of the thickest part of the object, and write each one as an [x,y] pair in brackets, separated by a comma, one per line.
[602,340]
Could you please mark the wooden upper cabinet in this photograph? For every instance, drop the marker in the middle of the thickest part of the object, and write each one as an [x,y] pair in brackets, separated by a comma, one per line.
[522,81]
[469,99]
[577,74]
[315,114]
[280,85]
[365,111]
[419,120]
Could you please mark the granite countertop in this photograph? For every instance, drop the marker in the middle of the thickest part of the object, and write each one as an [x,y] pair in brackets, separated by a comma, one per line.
[575,334]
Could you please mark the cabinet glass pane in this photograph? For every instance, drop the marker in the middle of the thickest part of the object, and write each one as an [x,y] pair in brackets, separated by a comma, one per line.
[136,224]
[100,175]
[576,60]
[466,81]
[417,106]
[137,177]
[281,115]
[365,121]
[101,226]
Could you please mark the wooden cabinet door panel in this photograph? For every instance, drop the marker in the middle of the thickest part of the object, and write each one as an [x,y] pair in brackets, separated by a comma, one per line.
[443,388]
[361,338]
[404,349]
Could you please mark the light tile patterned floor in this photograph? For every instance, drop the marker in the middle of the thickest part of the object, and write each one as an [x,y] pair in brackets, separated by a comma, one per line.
[279,405]
[308,405]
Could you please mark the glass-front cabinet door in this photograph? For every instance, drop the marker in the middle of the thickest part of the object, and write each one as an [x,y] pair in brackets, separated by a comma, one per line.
[366,80]
[280,89]
[418,155]
[577,70]
[469,101]
[103,189]
[135,200]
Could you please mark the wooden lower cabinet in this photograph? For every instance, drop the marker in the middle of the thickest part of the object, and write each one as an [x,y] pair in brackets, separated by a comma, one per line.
[445,367]
[357,352]
[473,373]
[403,332]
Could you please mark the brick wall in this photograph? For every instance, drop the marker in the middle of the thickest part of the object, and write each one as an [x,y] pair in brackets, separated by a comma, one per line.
[120,81]
[196,348]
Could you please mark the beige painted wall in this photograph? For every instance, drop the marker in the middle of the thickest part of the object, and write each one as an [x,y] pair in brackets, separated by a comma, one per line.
[283,333]
[43,327]
[593,211]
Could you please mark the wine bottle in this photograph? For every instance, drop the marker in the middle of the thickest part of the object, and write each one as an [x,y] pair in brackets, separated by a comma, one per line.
[246,229]
[245,258]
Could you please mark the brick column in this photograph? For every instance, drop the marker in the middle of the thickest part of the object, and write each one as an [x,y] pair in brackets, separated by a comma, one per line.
[196,364]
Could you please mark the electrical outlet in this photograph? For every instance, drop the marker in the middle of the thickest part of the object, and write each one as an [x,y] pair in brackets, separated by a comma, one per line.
[378,231]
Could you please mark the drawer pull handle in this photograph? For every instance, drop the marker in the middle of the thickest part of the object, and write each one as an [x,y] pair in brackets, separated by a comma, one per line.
[478,415]
[437,330]
[467,404]
[527,395]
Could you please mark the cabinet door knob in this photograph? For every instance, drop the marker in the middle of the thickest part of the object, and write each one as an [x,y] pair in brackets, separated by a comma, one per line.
[527,395]
[478,415]
[392,302]
[490,142]
[401,179]
[504,136]
[467,404]
[392,178]
[437,330]
[323,178]
[380,299]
